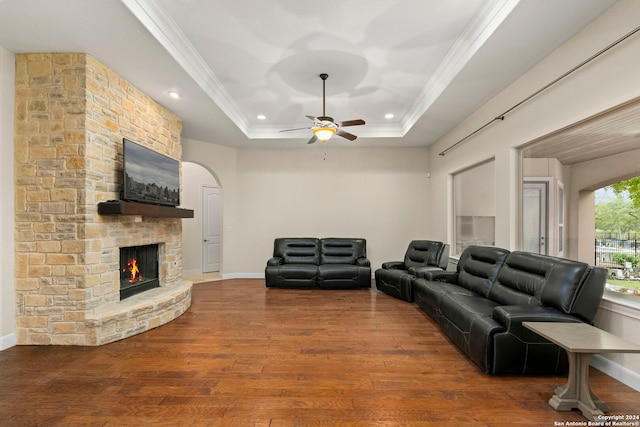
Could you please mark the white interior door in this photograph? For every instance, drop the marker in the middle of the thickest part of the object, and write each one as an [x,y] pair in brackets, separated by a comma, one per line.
[211,232]
[534,217]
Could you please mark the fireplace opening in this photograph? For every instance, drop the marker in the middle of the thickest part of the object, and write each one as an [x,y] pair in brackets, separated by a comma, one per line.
[138,270]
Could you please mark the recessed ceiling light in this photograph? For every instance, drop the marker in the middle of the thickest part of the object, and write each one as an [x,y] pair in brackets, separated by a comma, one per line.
[174,94]
[261,117]
[388,116]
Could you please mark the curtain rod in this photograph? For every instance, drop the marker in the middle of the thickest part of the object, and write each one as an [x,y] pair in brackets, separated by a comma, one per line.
[547,86]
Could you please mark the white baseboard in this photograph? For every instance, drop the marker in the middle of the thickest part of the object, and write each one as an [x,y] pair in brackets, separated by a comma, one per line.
[251,275]
[243,276]
[8,341]
[624,375]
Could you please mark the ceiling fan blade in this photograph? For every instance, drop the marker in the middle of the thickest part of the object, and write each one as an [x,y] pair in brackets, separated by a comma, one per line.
[310,117]
[313,139]
[352,122]
[289,130]
[346,135]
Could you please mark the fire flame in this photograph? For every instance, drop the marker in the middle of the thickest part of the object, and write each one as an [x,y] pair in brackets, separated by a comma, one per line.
[132,267]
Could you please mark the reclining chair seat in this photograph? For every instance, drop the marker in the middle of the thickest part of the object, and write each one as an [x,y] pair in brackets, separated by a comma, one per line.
[297,275]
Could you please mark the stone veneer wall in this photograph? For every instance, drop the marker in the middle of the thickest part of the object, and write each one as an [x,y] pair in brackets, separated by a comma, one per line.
[71,115]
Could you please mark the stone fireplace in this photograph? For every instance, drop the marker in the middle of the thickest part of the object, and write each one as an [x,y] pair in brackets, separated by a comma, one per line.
[72,113]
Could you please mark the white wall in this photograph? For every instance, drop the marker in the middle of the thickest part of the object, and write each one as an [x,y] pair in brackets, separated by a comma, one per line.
[609,81]
[380,194]
[7,286]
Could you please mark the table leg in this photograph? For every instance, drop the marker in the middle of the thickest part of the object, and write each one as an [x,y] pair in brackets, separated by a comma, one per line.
[577,392]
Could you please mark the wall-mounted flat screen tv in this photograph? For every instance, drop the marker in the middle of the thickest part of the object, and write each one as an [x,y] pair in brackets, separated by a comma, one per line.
[150,177]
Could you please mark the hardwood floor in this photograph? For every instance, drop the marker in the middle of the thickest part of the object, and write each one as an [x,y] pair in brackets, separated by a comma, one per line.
[203,277]
[245,355]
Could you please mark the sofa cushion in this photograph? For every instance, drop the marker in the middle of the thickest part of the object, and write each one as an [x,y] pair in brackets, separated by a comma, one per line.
[521,279]
[297,250]
[302,271]
[429,294]
[563,283]
[292,276]
[478,267]
[534,279]
[463,310]
[422,253]
[342,251]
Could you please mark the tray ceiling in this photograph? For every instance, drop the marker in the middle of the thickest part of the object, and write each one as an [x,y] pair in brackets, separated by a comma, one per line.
[430,63]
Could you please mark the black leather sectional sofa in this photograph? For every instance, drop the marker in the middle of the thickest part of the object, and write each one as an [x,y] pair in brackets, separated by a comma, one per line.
[309,262]
[481,306]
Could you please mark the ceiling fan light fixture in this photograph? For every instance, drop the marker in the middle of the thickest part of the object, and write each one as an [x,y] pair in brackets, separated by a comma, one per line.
[324,133]
[324,127]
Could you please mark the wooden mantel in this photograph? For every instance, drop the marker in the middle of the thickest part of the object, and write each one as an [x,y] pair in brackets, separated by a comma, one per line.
[121,207]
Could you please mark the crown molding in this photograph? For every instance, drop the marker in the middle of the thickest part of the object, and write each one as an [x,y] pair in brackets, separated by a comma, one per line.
[491,16]
[164,29]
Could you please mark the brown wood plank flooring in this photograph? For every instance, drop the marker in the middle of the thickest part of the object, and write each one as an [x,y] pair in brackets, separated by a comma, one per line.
[244,355]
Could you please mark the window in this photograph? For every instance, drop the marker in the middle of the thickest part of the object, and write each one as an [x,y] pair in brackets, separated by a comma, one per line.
[617,243]
[474,207]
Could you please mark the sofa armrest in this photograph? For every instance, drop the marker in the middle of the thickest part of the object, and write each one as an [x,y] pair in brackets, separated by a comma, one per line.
[275,261]
[363,262]
[439,276]
[393,265]
[422,271]
[512,316]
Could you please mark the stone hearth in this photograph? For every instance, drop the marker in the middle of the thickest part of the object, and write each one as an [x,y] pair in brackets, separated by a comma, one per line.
[71,115]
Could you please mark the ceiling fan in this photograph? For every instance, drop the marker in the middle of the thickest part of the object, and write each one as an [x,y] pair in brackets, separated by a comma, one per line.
[324,127]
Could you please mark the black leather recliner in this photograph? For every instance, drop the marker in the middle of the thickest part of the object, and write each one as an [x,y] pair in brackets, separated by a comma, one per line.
[294,263]
[394,278]
[308,262]
[344,264]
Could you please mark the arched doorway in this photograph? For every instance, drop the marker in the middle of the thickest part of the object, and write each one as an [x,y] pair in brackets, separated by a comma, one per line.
[202,236]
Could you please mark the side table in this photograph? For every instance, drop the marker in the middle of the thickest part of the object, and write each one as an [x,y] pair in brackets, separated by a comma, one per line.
[580,340]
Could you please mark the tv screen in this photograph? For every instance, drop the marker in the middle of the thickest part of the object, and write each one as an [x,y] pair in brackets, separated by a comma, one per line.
[150,177]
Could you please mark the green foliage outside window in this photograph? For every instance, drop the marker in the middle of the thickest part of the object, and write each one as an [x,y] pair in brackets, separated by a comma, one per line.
[620,216]
[622,258]
[632,188]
